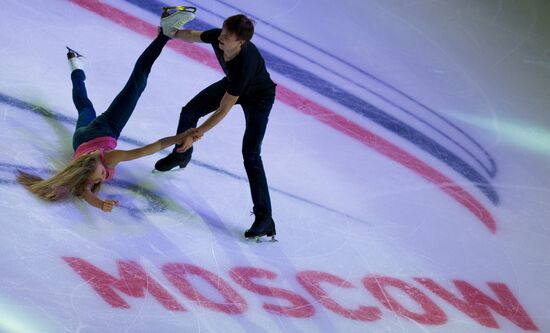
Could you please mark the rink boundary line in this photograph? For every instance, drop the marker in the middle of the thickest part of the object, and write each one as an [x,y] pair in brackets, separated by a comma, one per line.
[309,107]
[146,193]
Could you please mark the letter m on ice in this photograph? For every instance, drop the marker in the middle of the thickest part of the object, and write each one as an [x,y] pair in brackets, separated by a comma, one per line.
[133,281]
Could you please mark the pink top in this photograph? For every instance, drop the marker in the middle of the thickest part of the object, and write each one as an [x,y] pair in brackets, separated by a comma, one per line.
[102,144]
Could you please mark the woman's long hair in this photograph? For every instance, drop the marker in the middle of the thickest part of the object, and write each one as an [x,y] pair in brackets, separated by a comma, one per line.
[70,181]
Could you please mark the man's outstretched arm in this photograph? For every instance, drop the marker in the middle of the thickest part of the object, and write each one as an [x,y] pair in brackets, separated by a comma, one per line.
[189,36]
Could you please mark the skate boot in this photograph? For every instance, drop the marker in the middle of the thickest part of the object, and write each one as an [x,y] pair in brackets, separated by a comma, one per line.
[171,161]
[170,22]
[73,58]
[262,226]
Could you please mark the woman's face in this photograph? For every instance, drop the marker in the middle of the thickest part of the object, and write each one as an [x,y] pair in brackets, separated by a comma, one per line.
[228,41]
[99,175]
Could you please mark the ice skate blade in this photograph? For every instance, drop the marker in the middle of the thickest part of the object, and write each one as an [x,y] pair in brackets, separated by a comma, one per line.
[77,55]
[260,239]
[179,8]
[169,171]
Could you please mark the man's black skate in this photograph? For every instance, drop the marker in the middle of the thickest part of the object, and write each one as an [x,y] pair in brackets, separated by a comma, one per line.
[171,161]
[262,226]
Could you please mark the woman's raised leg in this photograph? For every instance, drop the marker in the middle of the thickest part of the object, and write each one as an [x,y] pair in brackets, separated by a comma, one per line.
[123,105]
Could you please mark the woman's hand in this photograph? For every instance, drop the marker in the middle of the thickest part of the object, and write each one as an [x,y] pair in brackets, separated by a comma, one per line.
[108,205]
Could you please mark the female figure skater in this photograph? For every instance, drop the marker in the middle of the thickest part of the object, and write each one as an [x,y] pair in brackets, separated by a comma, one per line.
[95,138]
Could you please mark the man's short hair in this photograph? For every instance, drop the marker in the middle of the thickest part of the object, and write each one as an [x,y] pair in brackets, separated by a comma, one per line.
[241,26]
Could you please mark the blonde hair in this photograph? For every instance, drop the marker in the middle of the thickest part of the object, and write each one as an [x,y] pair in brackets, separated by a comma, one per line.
[71,181]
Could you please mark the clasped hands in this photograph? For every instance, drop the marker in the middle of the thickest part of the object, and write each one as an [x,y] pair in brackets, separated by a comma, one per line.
[187,138]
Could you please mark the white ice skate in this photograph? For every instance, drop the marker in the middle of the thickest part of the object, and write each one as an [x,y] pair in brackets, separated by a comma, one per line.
[74,59]
[171,22]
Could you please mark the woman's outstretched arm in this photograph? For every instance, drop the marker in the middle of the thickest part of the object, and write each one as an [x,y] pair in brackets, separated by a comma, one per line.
[113,157]
[188,35]
[95,201]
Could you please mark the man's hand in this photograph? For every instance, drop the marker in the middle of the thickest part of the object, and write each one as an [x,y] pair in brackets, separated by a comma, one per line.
[108,205]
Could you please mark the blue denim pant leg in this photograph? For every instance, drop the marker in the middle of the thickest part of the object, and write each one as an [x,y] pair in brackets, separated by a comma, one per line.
[86,112]
[118,113]
[85,128]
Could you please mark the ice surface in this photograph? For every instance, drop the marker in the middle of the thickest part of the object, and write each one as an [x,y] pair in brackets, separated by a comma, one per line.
[407,156]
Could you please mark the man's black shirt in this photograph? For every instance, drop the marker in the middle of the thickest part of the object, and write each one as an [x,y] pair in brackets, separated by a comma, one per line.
[246,72]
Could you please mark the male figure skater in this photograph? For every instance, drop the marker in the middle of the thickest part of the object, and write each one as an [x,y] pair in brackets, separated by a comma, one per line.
[247,83]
